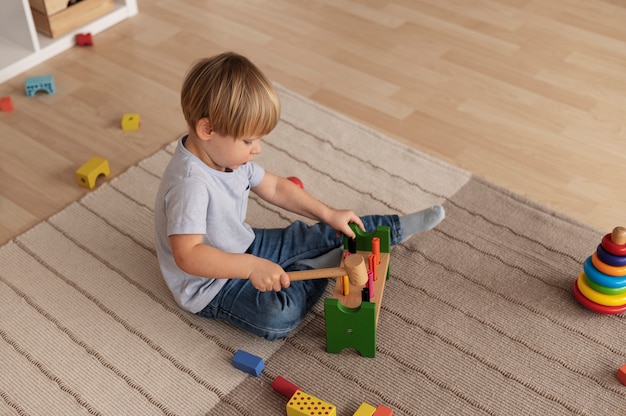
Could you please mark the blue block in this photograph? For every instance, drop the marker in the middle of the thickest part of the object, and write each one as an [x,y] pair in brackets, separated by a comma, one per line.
[42,83]
[248,363]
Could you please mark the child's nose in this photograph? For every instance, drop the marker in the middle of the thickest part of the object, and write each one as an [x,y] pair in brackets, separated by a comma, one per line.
[256,149]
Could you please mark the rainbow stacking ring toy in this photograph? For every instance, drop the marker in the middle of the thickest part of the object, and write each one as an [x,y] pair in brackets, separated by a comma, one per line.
[609,258]
[601,287]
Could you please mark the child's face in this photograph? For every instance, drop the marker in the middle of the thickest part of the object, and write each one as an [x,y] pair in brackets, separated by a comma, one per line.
[228,152]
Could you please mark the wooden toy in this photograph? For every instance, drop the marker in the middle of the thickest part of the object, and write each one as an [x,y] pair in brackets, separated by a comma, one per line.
[376,249]
[6,104]
[353,267]
[601,287]
[84,39]
[285,387]
[612,247]
[297,181]
[87,174]
[597,297]
[351,317]
[595,307]
[370,284]
[248,363]
[383,411]
[365,409]
[607,268]
[602,278]
[41,83]
[345,285]
[303,404]
[131,122]
[372,262]
[618,236]
[351,320]
[609,258]
[621,374]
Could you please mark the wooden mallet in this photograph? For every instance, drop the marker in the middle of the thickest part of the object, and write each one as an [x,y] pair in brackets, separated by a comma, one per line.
[353,267]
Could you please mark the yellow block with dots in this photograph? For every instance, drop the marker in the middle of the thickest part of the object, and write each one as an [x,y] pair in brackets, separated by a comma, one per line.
[303,404]
[87,174]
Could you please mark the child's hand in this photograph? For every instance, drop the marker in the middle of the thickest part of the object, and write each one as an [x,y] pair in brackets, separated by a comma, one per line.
[268,276]
[340,219]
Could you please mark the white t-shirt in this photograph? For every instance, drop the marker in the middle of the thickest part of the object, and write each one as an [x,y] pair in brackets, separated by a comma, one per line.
[196,199]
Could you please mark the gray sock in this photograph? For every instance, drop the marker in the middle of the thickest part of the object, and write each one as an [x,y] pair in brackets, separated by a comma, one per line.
[420,221]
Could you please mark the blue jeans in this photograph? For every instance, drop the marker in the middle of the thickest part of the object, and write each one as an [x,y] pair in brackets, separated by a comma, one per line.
[272,314]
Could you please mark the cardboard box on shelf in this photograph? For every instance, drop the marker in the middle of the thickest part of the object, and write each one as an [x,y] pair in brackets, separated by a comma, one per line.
[55,17]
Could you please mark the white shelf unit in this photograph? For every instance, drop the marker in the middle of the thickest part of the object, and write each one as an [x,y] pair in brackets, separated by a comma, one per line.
[22,47]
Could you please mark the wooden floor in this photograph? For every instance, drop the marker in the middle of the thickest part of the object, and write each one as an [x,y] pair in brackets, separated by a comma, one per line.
[529,94]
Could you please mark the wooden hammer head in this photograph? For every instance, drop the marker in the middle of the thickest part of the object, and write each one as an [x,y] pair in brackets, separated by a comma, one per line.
[356,270]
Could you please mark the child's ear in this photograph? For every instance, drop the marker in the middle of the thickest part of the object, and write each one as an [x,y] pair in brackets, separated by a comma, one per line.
[204,129]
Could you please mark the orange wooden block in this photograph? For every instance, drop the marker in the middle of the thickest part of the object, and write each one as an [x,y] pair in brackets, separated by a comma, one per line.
[383,411]
[621,374]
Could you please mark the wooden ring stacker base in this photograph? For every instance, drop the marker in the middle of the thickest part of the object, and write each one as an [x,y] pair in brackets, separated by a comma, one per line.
[353,267]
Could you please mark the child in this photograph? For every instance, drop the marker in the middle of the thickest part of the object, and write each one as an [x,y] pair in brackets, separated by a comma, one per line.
[215,264]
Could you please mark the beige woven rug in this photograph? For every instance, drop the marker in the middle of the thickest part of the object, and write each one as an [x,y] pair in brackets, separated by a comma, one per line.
[478,316]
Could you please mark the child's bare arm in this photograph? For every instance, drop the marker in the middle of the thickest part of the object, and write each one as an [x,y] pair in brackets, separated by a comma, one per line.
[194,257]
[285,194]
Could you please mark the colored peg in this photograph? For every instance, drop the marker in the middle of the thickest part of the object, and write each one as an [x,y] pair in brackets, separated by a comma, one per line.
[352,245]
[372,265]
[370,283]
[376,249]
[345,285]
[618,236]
[285,387]
[613,248]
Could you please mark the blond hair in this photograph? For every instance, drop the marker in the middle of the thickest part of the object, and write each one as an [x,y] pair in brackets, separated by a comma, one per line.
[233,94]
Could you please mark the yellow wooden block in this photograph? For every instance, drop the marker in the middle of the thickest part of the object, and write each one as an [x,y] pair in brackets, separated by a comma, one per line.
[365,409]
[131,122]
[303,404]
[87,174]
